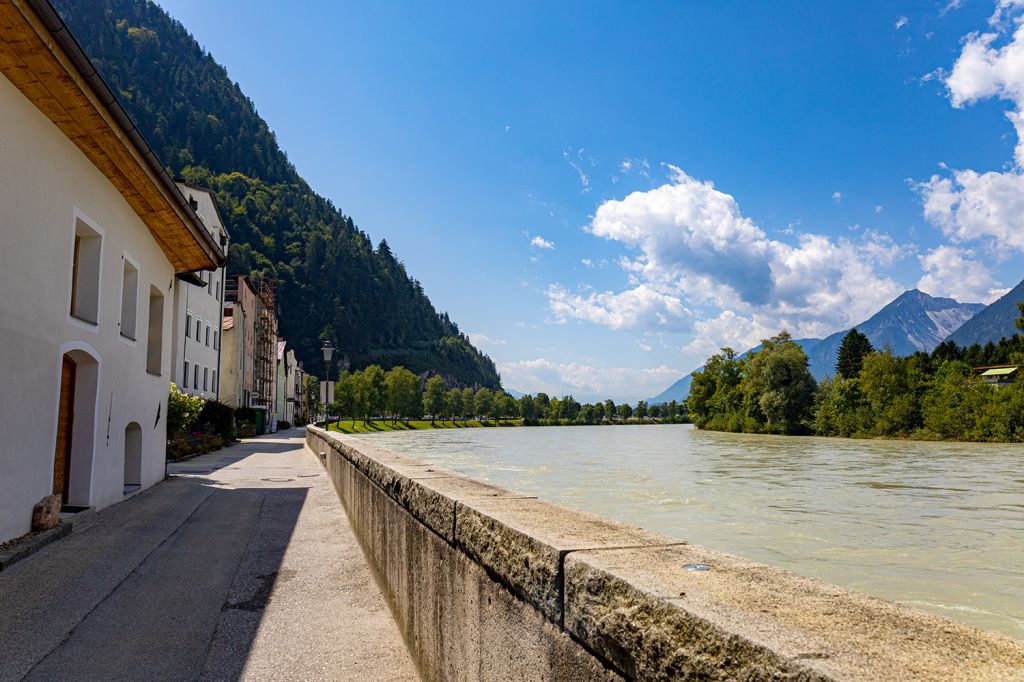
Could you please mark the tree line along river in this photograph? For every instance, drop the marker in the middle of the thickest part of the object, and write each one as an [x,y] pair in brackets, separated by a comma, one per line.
[935,525]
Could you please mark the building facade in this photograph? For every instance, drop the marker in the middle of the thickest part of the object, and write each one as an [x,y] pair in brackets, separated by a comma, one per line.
[95,232]
[199,309]
[237,341]
[249,357]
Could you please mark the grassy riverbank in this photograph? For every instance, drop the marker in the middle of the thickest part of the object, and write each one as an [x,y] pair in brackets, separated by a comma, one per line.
[378,425]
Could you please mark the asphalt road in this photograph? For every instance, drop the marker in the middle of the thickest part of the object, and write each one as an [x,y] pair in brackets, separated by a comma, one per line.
[242,565]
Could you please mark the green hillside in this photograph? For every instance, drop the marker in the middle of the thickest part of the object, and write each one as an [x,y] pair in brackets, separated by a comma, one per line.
[332,282]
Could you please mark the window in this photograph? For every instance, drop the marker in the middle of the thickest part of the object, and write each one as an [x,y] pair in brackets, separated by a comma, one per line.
[195,377]
[199,326]
[207,335]
[184,380]
[213,382]
[219,287]
[155,338]
[188,325]
[209,284]
[206,375]
[215,340]
[85,273]
[129,298]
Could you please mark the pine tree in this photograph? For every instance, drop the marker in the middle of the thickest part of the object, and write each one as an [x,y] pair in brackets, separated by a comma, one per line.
[851,354]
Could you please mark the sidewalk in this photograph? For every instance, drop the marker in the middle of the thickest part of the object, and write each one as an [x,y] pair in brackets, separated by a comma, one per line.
[242,565]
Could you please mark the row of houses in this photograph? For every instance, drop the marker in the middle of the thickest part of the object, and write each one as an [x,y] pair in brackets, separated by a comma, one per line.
[112,286]
[226,341]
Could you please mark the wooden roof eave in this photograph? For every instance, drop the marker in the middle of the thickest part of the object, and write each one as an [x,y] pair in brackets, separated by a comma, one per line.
[41,58]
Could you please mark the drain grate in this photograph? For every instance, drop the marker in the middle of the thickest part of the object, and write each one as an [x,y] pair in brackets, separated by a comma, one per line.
[195,471]
[277,480]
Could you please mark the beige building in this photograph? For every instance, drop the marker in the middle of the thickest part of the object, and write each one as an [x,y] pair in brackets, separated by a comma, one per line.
[249,355]
[94,233]
[199,309]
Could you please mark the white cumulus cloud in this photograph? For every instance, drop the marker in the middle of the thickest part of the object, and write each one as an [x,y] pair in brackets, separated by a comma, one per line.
[640,308]
[485,340]
[586,382]
[954,273]
[968,205]
[542,243]
[696,248]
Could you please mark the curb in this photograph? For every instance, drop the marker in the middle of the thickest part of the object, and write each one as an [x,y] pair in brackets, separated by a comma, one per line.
[33,544]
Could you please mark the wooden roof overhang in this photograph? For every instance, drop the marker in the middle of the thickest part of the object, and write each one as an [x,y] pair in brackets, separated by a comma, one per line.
[41,58]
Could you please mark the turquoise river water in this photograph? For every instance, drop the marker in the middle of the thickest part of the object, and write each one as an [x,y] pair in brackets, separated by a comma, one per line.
[937,526]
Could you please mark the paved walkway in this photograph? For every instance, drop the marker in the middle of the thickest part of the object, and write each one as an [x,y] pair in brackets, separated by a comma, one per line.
[242,565]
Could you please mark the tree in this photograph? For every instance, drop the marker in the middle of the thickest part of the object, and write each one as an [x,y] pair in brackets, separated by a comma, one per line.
[1019,322]
[504,406]
[484,402]
[313,394]
[433,398]
[851,354]
[373,385]
[569,409]
[609,410]
[347,397]
[778,390]
[641,409]
[527,408]
[625,411]
[468,404]
[947,350]
[542,403]
[893,386]
[714,391]
[453,403]
[402,391]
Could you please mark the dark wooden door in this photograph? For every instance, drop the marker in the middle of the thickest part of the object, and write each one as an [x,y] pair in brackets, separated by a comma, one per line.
[65,421]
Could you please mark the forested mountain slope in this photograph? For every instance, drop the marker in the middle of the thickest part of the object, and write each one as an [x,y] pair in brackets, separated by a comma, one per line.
[992,323]
[332,283]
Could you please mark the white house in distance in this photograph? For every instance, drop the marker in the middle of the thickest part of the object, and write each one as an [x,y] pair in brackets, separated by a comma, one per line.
[199,309]
[94,232]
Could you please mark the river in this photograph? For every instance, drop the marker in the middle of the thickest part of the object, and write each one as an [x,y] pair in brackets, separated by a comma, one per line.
[937,526]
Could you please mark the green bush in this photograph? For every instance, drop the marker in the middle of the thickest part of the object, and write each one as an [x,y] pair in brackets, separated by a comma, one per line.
[283,424]
[182,411]
[217,418]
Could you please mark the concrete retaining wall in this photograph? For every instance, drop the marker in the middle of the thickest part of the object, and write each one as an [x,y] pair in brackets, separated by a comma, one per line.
[487,584]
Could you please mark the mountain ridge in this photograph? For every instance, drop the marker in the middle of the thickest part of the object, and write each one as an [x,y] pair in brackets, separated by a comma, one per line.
[993,323]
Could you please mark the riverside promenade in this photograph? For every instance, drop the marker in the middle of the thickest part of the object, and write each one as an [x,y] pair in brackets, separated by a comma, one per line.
[241,565]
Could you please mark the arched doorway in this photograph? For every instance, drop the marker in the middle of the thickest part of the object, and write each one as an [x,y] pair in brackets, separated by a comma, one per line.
[76,418]
[132,457]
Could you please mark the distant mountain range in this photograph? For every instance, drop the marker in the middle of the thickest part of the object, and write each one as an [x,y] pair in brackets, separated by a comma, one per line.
[912,322]
[992,323]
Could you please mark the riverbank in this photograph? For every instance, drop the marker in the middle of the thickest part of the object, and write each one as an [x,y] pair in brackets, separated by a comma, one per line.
[380,425]
[383,425]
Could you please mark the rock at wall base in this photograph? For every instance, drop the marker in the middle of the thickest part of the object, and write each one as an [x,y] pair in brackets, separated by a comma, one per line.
[46,514]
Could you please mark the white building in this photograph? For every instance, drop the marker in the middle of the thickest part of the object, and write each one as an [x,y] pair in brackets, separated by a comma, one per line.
[199,309]
[94,231]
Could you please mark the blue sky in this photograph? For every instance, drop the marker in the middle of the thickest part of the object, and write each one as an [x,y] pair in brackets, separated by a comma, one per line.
[602,194]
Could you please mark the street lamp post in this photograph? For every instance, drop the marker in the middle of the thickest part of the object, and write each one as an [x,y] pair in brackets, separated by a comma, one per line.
[327,386]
